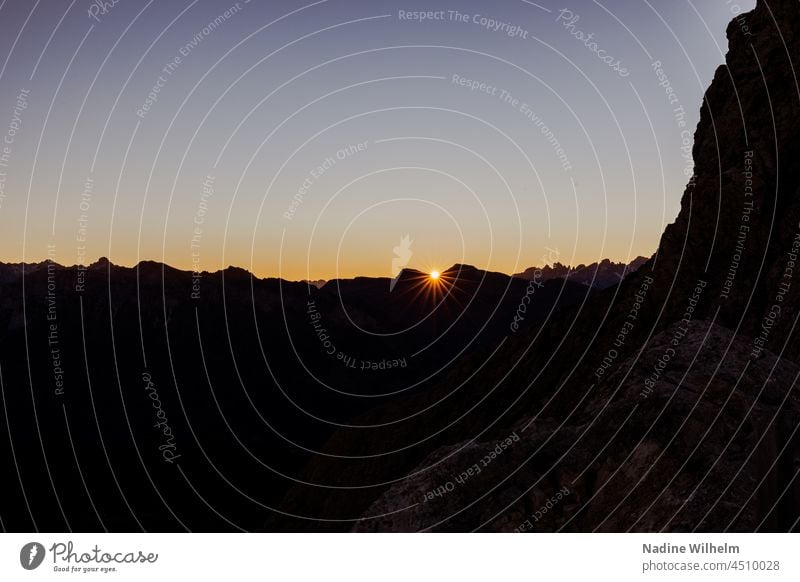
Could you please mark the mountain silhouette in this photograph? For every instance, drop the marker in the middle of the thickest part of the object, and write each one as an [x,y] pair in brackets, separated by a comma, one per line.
[600,275]
[656,396]
[98,362]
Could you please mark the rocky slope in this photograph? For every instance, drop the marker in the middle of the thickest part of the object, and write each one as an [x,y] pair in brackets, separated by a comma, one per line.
[695,453]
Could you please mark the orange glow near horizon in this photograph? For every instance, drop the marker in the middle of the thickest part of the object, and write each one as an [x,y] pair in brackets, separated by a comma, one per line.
[212,260]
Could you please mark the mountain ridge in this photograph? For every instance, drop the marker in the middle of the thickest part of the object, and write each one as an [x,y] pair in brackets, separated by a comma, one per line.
[604,271]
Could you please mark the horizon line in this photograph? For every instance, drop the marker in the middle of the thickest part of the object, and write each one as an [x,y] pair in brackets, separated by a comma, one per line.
[454,266]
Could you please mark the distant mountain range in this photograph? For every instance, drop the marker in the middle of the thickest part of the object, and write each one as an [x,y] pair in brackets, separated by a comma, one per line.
[600,275]
[597,275]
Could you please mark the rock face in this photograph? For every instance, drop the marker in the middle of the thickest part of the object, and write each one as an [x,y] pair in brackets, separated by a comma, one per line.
[738,226]
[666,402]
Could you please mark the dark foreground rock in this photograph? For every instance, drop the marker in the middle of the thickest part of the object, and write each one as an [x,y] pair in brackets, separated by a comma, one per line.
[710,448]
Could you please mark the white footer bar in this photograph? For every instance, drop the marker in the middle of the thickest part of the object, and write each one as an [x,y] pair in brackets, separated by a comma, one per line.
[385,557]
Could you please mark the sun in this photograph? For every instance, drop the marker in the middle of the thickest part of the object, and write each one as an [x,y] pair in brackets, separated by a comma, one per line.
[434,275]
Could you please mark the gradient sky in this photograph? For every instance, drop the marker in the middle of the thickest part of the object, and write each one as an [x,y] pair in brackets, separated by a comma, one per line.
[260,100]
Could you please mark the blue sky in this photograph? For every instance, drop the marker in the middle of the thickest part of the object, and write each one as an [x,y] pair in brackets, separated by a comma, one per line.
[304,139]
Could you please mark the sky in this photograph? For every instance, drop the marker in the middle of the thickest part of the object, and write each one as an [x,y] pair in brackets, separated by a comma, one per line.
[306,139]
